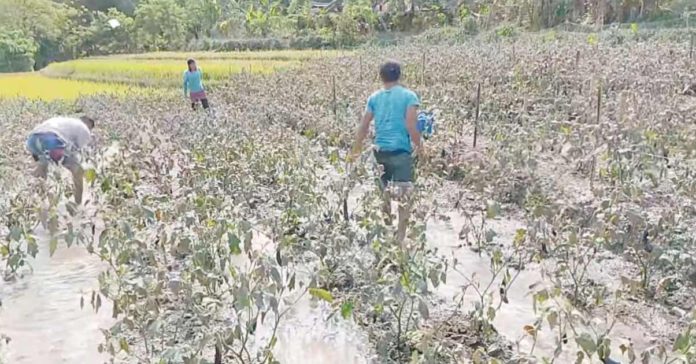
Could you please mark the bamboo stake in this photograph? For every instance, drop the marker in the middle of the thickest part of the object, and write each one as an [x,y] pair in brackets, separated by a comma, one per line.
[361,69]
[577,59]
[599,103]
[333,85]
[423,70]
[476,120]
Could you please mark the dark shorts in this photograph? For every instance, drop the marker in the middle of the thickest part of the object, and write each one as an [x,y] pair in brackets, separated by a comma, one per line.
[398,166]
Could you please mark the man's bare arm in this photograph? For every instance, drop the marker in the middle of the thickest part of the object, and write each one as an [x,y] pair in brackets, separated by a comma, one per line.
[362,134]
[411,121]
[78,175]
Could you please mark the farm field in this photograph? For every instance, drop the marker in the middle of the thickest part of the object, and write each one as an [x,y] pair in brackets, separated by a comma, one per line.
[166,68]
[146,73]
[564,235]
[39,87]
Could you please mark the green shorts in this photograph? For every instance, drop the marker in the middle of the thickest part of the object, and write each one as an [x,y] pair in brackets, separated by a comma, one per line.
[398,166]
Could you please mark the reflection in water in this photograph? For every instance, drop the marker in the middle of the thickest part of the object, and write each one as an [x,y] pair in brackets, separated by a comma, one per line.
[513,316]
[42,313]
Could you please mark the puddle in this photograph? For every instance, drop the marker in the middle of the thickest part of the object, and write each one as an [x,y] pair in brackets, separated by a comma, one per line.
[41,311]
[513,316]
[305,334]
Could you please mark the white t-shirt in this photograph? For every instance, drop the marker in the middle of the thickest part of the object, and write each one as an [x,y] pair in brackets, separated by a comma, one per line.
[72,131]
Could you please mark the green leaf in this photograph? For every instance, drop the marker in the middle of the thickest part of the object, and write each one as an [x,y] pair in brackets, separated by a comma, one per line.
[553,319]
[233,242]
[490,235]
[90,175]
[279,258]
[53,245]
[491,313]
[99,303]
[291,285]
[681,343]
[123,344]
[321,294]
[586,343]
[492,210]
[423,309]
[520,235]
[346,309]
[634,28]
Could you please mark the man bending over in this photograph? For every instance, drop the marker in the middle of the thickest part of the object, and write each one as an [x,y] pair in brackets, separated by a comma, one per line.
[60,140]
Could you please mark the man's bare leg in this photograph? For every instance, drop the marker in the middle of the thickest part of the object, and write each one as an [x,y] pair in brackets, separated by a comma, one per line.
[41,170]
[78,176]
[404,194]
[386,207]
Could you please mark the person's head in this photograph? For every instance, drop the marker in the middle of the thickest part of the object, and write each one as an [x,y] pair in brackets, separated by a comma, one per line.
[390,73]
[191,65]
[88,121]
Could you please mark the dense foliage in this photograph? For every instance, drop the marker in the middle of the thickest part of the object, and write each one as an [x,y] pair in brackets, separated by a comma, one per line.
[572,217]
[71,29]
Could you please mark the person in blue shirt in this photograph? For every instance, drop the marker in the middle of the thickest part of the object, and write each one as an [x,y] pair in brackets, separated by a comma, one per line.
[394,110]
[193,85]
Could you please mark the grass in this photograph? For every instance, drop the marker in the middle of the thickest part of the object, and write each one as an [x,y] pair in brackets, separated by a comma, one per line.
[285,55]
[164,72]
[38,87]
[121,73]
[166,68]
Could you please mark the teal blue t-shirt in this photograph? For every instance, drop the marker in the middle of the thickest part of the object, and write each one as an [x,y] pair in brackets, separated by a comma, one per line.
[193,81]
[389,108]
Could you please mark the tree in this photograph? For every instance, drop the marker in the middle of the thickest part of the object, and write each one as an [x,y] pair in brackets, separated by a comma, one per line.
[161,25]
[204,16]
[47,22]
[17,52]
[109,32]
[262,19]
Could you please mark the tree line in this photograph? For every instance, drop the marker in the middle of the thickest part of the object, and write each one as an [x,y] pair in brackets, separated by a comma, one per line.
[34,33]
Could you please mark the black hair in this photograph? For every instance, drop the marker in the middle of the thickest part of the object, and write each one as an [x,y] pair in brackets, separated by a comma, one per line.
[189,62]
[88,121]
[390,71]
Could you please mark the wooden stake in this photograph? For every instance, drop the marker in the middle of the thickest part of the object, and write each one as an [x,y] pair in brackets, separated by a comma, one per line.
[423,70]
[346,216]
[218,355]
[599,103]
[335,107]
[361,68]
[577,59]
[478,104]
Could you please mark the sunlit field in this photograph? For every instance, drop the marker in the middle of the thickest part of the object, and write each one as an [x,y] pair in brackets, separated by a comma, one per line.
[37,86]
[165,68]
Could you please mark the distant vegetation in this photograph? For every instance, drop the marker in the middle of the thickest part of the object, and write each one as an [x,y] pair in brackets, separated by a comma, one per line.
[34,33]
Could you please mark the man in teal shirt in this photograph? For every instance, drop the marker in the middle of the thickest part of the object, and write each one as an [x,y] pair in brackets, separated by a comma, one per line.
[395,112]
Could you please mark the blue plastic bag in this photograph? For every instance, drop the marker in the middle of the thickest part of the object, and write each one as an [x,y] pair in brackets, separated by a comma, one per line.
[426,123]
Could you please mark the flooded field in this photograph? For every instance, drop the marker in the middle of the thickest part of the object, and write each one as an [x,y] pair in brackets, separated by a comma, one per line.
[243,235]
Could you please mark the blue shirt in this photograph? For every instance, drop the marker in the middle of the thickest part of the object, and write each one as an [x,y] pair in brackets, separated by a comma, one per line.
[389,108]
[193,81]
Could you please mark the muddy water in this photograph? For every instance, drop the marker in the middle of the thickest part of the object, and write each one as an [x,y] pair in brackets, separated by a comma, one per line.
[41,311]
[512,317]
[307,334]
